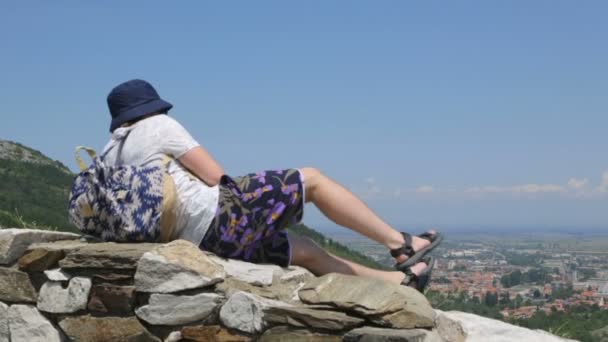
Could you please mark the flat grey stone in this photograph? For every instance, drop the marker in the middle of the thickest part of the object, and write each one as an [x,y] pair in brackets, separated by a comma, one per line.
[106,255]
[55,299]
[4,332]
[88,328]
[15,241]
[39,260]
[304,317]
[245,312]
[386,304]
[15,287]
[373,334]
[27,324]
[176,266]
[296,274]
[281,291]
[166,309]
[61,245]
[255,274]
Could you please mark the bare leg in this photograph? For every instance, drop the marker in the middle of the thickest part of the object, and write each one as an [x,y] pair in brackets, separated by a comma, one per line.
[308,254]
[345,209]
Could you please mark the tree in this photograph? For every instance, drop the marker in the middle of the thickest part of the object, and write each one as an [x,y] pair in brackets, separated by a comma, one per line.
[491,298]
[505,281]
[515,277]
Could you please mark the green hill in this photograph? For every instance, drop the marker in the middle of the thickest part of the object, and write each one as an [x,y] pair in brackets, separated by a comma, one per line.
[34,191]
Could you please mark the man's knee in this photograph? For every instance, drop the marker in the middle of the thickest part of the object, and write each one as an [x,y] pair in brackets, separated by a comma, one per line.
[312,177]
[310,173]
[305,251]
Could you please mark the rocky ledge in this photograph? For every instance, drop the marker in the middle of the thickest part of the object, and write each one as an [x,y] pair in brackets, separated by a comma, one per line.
[58,287]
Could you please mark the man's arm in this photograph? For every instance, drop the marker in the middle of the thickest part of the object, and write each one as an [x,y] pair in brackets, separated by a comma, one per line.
[202,165]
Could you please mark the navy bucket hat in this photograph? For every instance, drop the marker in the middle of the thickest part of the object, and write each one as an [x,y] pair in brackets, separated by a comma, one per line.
[133,99]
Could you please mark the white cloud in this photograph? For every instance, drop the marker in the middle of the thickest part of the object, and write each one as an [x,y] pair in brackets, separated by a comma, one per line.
[517,189]
[538,188]
[425,189]
[371,190]
[577,184]
[574,187]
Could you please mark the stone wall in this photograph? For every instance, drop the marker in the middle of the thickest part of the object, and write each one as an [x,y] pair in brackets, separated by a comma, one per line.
[58,287]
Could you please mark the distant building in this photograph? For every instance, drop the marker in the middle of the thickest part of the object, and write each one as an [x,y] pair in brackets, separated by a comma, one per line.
[451,264]
[604,290]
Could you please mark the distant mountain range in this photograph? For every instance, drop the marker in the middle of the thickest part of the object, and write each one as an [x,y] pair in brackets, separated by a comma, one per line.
[34,192]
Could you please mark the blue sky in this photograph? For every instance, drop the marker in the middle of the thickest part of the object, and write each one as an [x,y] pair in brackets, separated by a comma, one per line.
[456,114]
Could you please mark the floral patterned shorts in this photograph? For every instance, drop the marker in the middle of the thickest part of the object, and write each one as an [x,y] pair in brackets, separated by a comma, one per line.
[252,215]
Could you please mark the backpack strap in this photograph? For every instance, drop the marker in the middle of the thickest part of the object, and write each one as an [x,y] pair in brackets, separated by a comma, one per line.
[166,161]
[118,138]
[168,218]
[91,152]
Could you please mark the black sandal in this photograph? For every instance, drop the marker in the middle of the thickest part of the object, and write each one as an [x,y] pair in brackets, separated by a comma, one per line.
[422,280]
[408,250]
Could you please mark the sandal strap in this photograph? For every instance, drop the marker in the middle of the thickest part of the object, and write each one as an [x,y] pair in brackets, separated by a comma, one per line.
[406,249]
[406,280]
[428,236]
[409,277]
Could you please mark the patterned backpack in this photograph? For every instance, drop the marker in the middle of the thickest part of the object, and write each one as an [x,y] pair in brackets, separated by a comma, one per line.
[124,203]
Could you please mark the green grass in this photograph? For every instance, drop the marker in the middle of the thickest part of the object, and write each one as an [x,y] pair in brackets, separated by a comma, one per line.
[35,194]
[14,220]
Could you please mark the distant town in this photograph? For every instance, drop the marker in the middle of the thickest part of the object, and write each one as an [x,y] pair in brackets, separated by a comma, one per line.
[524,273]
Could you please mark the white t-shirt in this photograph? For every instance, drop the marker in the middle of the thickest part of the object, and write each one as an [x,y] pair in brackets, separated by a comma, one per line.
[148,141]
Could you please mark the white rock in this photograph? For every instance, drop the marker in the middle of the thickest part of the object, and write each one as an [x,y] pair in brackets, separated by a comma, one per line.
[4,332]
[176,266]
[175,336]
[295,296]
[14,241]
[254,274]
[56,275]
[245,312]
[53,298]
[455,326]
[165,309]
[27,324]
[295,273]
[448,328]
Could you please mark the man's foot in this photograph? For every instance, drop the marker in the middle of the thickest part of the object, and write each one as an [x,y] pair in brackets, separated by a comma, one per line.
[419,267]
[417,244]
[418,276]
[415,248]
